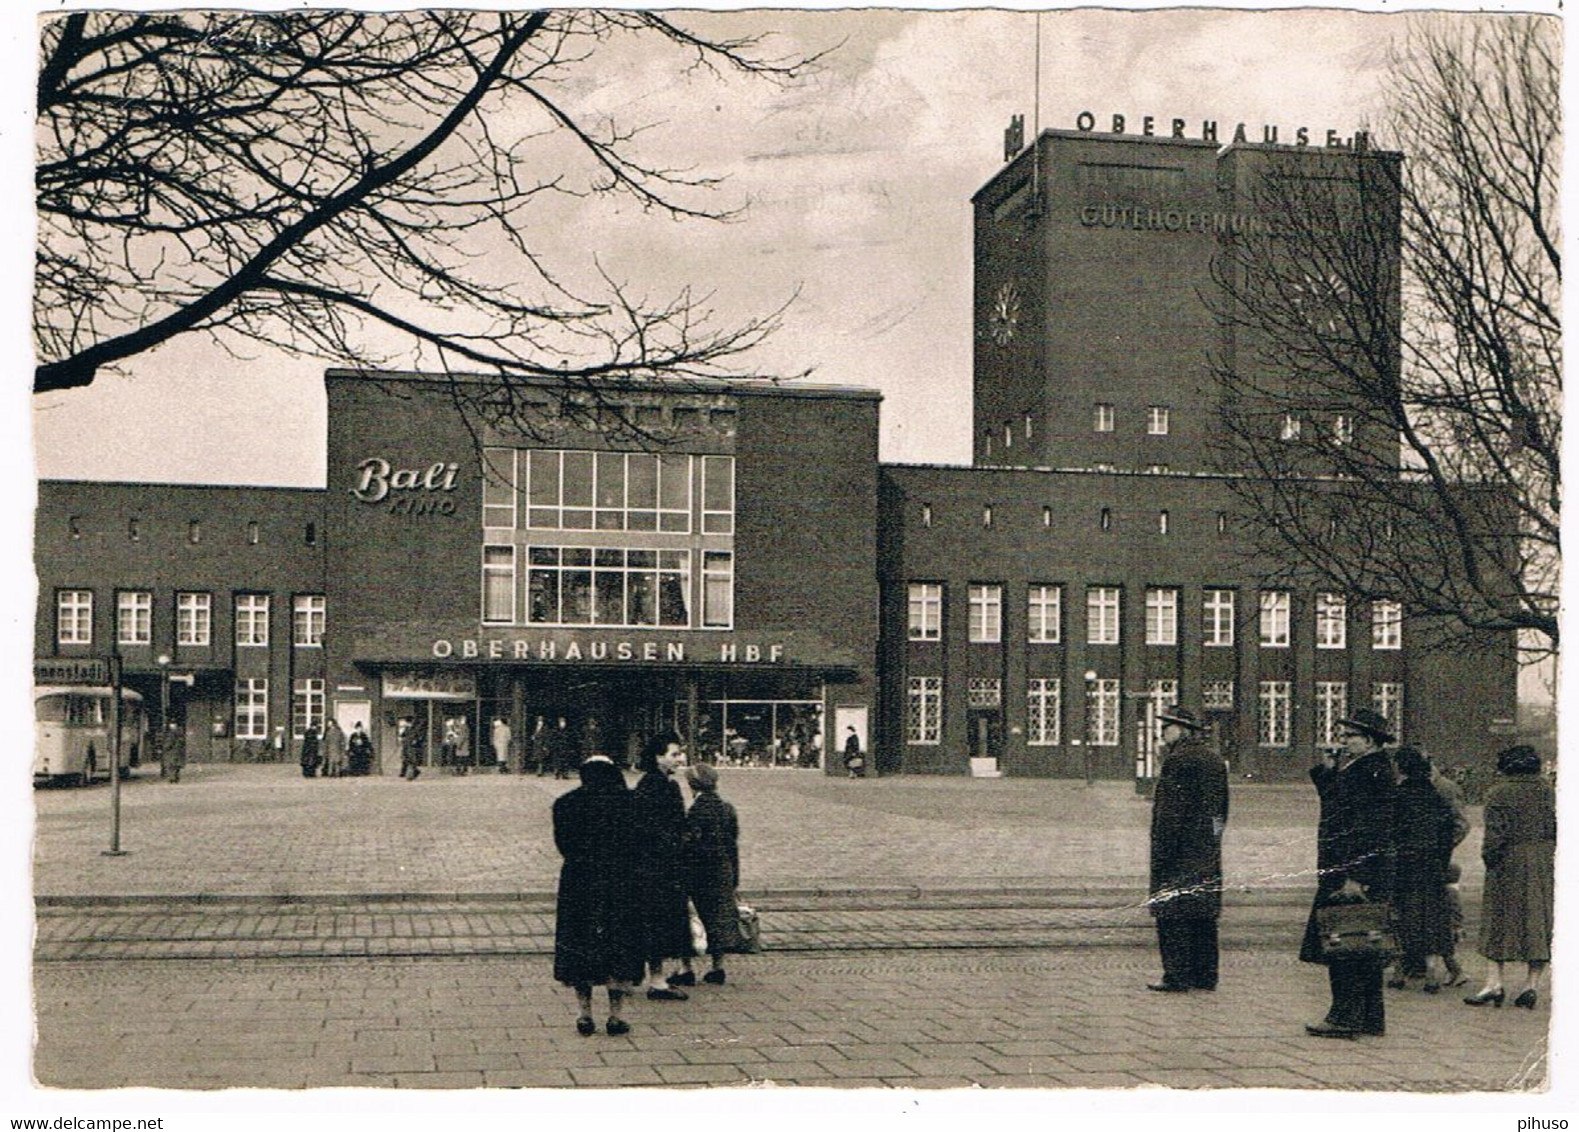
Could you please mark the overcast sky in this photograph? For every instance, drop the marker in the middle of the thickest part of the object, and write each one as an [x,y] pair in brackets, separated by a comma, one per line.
[856,184]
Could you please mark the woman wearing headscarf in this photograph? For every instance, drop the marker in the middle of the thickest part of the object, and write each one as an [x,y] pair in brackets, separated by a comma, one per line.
[1423,835]
[597,940]
[711,858]
[1518,848]
[659,826]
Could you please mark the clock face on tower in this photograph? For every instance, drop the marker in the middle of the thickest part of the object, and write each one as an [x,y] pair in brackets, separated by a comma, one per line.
[1004,318]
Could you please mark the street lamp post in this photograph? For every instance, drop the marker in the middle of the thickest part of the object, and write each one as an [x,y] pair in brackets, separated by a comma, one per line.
[164,713]
[115,849]
[1091,684]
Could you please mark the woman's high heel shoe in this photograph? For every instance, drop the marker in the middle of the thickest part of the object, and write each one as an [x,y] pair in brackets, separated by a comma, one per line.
[1526,999]
[1480,998]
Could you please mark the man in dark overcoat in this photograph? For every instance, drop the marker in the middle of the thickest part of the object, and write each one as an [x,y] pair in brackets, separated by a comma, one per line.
[1189,812]
[1355,856]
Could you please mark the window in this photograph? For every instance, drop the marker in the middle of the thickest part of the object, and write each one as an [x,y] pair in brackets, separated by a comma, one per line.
[924,710]
[74,525]
[1102,706]
[1157,420]
[926,514]
[926,611]
[1044,709]
[134,617]
[498,584]
[1217,619]
[1102,607]
[311,534]
[1272,722]
[1222,522]
[1047,516]
[1008,437]
[193,619]
[307,621]
[134,529]
[1275,605]
[1342,429]
[622,491]
[252,620]
[1332,704]
[1162,616]
[988,441]
[252,534]
[1332,621]
[718,495]
[306,706]
[1387,697]
[1044,614]
[718,589]
[74,617]
[1387,625]
[1218,695]
[986,614]
[1107,519]
[986,516]
[1160,696]
[498,488]
[1027,426]
[984,692]
[252,709]
[579,585]
[194,532]
[1162,522]
[1103,419]
[1290,427]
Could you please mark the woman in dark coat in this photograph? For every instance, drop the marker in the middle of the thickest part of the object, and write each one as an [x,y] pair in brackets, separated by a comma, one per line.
[711,857]
[659,827]
[1423,825]
[309,756]
[597,939]
[1518,848]
[1354,857]
[1188,815]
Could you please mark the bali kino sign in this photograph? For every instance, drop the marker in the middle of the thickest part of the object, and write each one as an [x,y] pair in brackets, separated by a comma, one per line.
[410,491]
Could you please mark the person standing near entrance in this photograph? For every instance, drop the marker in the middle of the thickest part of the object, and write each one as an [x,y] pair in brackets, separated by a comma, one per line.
[1189,812]
[310,757]
[333,748]
[854,760]
[359,751]
[411,748]
[659,827]
[174,752]
[566,751]
[1354,857]
[501,745]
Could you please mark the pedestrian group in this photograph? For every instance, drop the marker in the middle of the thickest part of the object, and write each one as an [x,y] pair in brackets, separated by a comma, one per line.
[1386,908]
[645,882]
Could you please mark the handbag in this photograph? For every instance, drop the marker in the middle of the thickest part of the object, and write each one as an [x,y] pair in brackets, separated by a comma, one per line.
[1357,930]
[698,932]
[750,930]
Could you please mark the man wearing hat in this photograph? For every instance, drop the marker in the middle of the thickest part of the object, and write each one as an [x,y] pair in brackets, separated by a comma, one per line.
[1354,857]
[1188,814]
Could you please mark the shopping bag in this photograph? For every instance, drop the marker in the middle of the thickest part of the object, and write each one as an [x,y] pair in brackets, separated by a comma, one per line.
[698,933]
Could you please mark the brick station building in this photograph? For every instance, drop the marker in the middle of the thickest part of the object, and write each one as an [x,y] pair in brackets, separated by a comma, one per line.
[752,577]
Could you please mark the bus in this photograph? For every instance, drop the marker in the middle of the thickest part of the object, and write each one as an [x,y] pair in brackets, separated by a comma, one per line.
[71,733]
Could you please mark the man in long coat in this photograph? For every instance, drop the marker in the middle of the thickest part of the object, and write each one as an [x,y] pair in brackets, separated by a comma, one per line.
[1355,857]
[1189,813]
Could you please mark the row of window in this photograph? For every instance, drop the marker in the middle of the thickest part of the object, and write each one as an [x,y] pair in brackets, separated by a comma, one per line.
[1105,517]
[194,530]
[575,490]
[1045,708]
[615,586]
[252,707]
[1044,616]
[612,417]
[194,619]
[1104,417]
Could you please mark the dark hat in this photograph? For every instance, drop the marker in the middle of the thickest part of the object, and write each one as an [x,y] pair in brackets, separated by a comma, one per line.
[702,776]
[1522,759]
[1183,716]
[1368,722]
